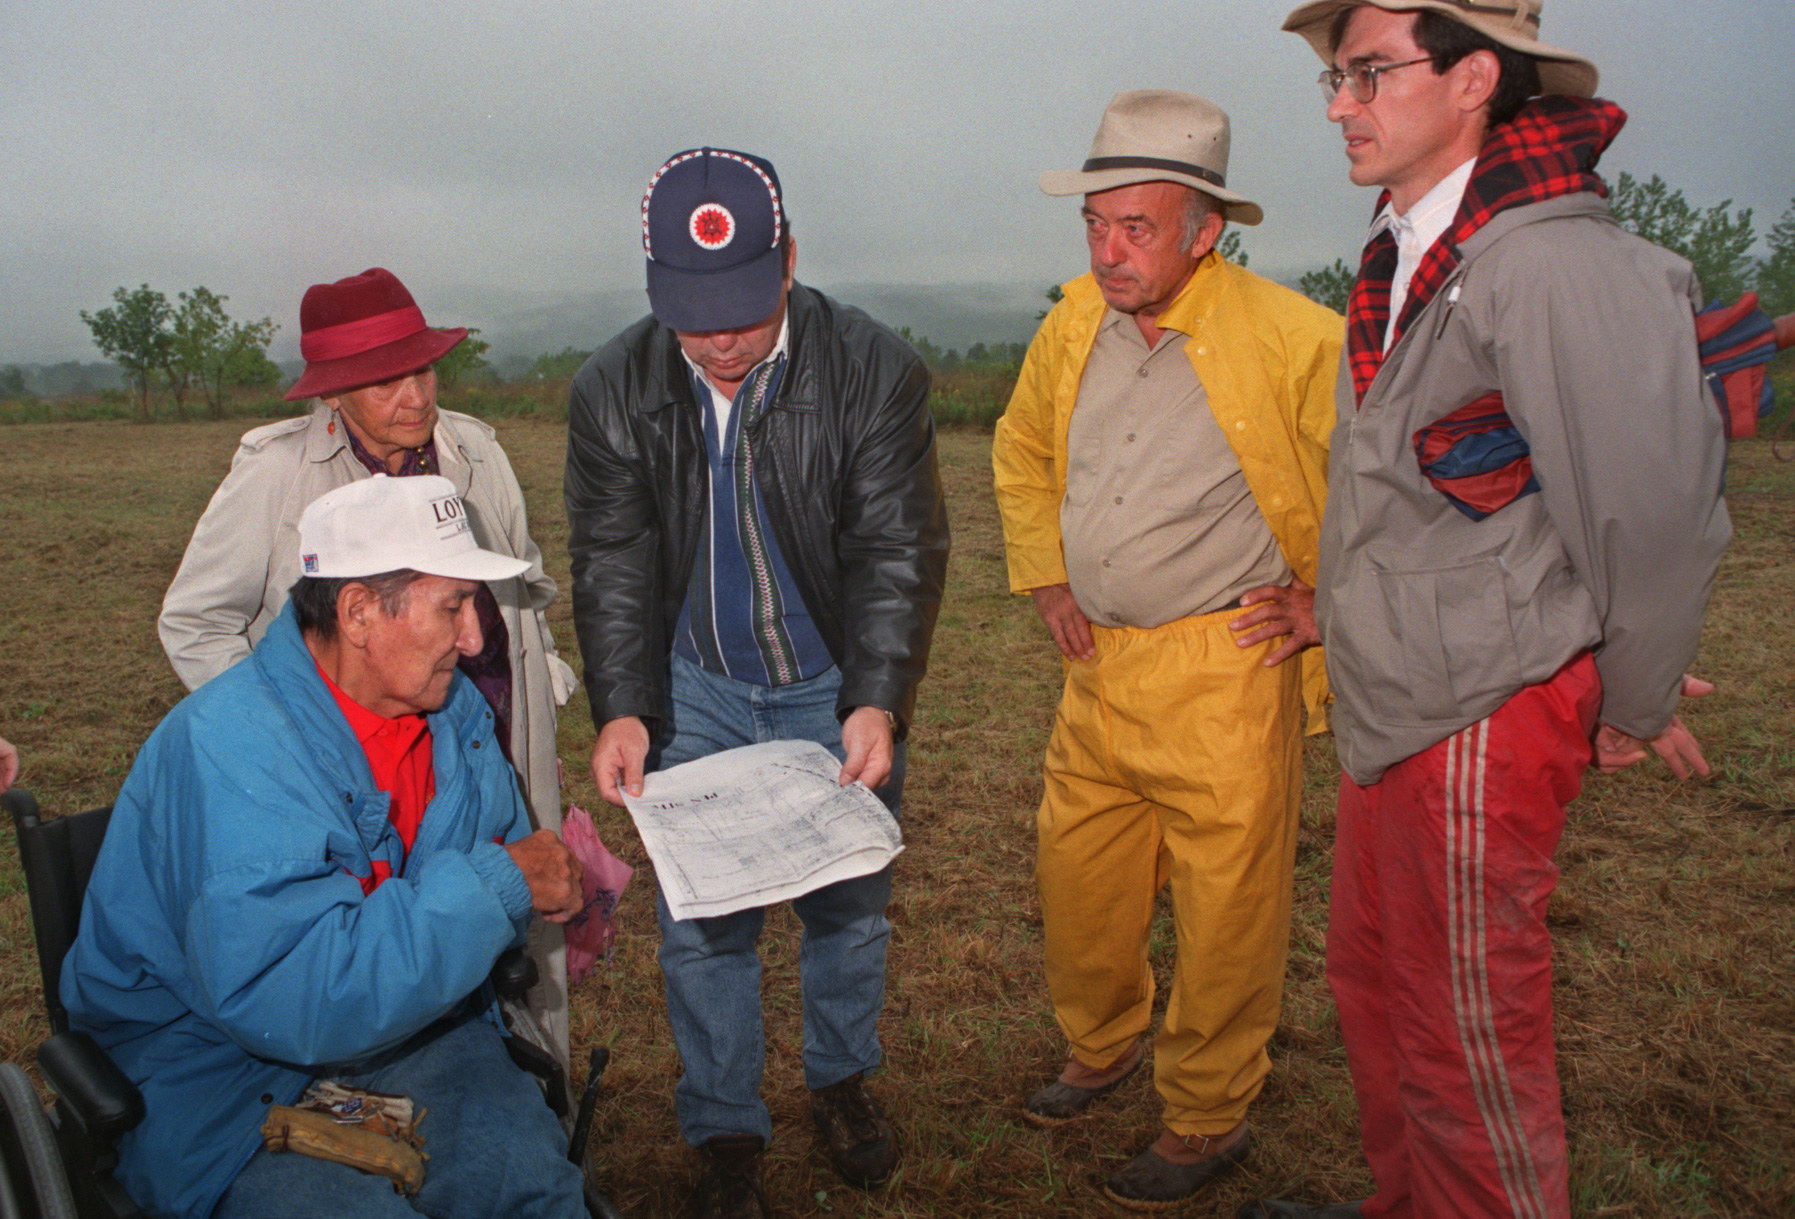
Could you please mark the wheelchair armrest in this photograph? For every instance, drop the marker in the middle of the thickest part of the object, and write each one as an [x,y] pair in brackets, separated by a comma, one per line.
[99,1095]
[514,974]
[533,1059]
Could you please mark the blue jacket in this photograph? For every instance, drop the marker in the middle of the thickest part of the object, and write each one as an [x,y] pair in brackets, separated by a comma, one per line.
[227,955]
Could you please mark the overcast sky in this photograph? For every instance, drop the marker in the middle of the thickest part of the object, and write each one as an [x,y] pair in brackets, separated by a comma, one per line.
[494,155]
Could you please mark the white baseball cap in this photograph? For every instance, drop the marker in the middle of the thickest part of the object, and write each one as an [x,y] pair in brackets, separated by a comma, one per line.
[381,524]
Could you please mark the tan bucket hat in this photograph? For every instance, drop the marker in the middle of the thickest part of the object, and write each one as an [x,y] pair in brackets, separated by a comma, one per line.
[1158,135]
[1513,23]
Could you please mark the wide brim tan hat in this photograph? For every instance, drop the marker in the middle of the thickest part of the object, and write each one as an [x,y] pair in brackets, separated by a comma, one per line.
[1158,135]
[1513,23]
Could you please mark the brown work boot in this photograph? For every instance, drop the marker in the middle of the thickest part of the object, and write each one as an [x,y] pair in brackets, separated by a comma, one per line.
[862,1145]
[731,1186]
[1078,1085]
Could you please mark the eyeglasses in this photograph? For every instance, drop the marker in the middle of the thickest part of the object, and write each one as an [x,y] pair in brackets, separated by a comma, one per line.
[1360,78]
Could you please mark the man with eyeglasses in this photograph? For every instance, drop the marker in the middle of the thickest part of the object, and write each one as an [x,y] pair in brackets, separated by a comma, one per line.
[1524,521]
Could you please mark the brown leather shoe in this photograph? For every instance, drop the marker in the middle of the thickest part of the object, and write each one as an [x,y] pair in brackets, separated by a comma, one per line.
[730,1186]
[1151,1182]
[862,1145]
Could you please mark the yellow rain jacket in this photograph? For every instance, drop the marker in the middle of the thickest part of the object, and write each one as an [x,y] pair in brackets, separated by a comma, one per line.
[1268,358]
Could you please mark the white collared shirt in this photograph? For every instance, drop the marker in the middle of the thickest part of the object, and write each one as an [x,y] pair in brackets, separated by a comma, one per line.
[1416,231]
[723,402]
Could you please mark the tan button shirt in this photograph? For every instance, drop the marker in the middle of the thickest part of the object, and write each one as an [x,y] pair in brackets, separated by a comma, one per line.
[1158,523]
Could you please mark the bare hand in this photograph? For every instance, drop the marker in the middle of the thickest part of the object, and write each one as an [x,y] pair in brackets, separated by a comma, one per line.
[9,763]
[553,874]
[1616,750]
[866,735]
[1282,611]
[617,758]
[1071,629]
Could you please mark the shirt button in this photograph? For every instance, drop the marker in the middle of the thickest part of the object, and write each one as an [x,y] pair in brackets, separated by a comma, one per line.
[1202,351]
[1106,562]
[1118,499]
[1240,425]
[1277,501]
[1142,370]
[1131,438]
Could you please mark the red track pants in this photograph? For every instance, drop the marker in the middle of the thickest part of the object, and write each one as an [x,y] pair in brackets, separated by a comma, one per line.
[1440,962]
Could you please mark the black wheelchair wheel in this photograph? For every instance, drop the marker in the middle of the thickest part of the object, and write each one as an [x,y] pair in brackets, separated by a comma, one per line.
[29,1139]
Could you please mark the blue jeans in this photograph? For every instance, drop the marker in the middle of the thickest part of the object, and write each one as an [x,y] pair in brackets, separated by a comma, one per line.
[495,1147]
[711,965]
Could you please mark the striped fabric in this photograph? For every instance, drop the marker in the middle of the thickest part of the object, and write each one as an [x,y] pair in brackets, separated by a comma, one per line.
[1737,342]
[1468,935]
[743,617]
[1476,458]
[1440,960]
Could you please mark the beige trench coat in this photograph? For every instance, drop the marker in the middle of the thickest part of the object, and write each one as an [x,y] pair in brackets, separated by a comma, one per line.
[244,556]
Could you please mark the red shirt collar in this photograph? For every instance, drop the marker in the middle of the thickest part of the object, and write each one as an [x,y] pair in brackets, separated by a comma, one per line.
[375,732]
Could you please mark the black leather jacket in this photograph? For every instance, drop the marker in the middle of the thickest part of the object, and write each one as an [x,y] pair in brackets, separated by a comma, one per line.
[845,461]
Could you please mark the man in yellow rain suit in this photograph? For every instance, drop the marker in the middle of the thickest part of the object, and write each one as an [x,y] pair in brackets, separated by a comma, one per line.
[1161,471]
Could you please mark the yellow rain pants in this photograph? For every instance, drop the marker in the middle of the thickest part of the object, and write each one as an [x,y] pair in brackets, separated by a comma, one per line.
[1176,758]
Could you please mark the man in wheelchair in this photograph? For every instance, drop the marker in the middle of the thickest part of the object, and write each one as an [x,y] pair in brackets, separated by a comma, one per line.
[315,862]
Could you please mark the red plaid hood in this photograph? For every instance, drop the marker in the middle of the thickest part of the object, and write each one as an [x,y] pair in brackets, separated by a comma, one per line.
[1549,149]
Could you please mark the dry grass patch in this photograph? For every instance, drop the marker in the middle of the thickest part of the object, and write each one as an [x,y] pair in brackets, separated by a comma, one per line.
[1675,921]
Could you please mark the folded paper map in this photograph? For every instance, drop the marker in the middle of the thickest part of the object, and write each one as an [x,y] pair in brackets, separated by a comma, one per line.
[761,824]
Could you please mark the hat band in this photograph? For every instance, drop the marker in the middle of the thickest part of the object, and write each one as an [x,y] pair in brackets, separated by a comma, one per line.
[1179,167]
[363,334]
[1518,13]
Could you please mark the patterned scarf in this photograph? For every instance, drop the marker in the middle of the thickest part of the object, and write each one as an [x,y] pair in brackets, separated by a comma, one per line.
[1549,150]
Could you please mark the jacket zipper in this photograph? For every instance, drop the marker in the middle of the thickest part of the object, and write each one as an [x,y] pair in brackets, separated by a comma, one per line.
[1446,312]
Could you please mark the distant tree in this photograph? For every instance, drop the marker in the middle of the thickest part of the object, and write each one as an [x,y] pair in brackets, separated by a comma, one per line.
[931,354]
[134,334]
[1775,278]
[12,383]
[240,358]
[467,358]
[196,333]
[1054,295]
[1330,285]
[1717,244]
[1230,248]
[558,366]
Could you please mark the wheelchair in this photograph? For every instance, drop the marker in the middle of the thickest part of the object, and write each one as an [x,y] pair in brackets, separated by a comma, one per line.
[59,1165]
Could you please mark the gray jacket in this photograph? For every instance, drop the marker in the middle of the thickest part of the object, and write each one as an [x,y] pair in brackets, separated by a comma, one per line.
[1431,620]
[244,556]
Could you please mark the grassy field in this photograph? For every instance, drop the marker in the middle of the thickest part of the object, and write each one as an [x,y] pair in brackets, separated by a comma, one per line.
[1674,924]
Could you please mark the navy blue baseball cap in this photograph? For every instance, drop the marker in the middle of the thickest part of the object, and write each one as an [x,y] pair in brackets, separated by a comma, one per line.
[712,220]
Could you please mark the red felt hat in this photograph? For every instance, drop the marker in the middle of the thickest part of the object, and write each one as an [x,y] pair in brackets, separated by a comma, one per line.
[361,331]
